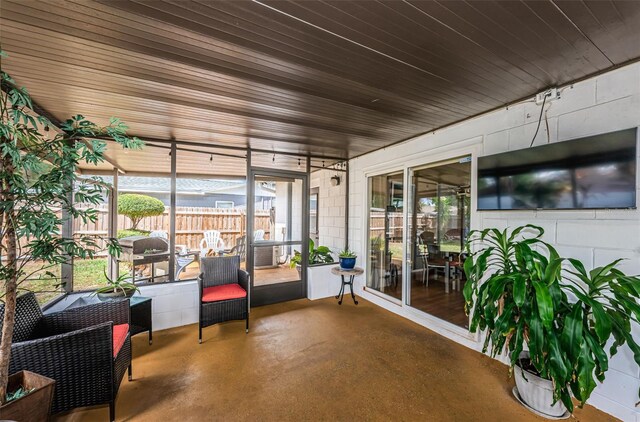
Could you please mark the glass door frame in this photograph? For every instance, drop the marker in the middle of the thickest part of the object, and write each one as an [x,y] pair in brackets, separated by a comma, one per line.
[279,292]
[471,151]
[367,243]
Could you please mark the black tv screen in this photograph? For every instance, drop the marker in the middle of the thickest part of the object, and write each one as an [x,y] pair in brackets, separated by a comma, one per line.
[586,173]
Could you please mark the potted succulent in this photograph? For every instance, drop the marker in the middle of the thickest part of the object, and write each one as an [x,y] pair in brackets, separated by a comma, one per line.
[347,259]
[552,316]
[38,163]
[118,288]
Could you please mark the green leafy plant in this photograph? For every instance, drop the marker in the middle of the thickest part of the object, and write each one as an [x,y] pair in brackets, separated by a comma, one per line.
[18,394]
[519,294]
[319,255]
[137,207]
[347,253]
[120,284]
[38,165]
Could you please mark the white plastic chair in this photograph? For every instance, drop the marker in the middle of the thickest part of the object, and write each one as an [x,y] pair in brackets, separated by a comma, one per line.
[258,234]
[160,233]
[212,240]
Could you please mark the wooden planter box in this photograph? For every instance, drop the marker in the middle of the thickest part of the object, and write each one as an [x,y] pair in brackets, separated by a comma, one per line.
[33,407]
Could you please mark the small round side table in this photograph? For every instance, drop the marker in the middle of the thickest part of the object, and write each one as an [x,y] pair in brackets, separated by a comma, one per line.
[352,273]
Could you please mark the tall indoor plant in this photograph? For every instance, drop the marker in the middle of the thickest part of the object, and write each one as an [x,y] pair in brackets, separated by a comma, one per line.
[39,186]
[522,295]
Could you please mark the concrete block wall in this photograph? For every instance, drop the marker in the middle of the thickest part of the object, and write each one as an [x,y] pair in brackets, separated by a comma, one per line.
[172,304]
[331,212]
[605,103]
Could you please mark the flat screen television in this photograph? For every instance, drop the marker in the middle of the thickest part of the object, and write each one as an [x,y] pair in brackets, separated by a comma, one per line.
[587,173]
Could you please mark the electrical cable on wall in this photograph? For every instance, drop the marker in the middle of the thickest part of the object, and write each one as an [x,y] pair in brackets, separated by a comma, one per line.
[544,100]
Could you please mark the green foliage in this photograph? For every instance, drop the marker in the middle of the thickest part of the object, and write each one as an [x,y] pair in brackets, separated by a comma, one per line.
[136,207]
[119,284]
[319,255]
[518,294]
[18,394]
[37,176]
[132,232]
[347,253]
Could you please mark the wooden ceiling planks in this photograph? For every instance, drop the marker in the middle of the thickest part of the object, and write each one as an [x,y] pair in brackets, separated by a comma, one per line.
[332,78]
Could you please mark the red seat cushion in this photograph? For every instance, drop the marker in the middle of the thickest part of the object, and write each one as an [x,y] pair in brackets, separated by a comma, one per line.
[223,292]
[120,332]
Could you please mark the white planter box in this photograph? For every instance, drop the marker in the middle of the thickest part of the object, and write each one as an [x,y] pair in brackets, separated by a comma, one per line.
[321,283]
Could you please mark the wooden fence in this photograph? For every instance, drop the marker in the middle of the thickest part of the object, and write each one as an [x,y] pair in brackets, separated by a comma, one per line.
[191,223]
[396,221]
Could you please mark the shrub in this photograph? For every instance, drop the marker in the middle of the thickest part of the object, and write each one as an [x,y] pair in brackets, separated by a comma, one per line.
[136,207]
[132,232]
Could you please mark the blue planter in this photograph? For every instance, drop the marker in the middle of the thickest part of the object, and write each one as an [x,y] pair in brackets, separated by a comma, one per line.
[347,263]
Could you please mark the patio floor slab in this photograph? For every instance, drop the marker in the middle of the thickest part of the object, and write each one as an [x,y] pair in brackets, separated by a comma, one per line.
[316,360]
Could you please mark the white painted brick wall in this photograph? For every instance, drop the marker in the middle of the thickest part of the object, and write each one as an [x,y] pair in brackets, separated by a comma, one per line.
[602,104]
[331,208]
[172,304]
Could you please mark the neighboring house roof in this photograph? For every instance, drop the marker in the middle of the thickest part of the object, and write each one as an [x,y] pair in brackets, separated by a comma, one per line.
[190,186]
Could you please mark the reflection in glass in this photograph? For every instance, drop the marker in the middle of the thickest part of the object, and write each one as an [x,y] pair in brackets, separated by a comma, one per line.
[386,230]
[439,214]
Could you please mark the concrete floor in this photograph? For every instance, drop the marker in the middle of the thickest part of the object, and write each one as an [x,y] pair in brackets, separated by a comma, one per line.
[316,360]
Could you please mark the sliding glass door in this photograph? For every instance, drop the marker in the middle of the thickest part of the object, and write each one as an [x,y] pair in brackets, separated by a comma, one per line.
[386,231]
[434,211]
[439,213]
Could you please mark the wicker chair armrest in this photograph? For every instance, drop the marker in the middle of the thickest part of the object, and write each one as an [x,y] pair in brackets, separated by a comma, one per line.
[243,279]
[80,361]
[74,319]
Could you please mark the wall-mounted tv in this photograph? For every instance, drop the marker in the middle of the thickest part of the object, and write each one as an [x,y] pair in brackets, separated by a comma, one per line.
[587,173]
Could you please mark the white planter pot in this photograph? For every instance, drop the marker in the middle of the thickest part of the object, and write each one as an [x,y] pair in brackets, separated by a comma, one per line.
[537,393]
[321,283]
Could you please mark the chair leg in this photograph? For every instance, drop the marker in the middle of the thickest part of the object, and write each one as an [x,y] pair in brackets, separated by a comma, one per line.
[199,333]
[246,330]
[112,411]
[130,372]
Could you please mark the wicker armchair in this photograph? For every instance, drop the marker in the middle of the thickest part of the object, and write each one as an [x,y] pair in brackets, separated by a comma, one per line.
[224,292]
[75,347]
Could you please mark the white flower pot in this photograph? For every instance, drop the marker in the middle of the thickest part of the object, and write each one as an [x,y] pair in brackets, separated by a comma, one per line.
[537,393]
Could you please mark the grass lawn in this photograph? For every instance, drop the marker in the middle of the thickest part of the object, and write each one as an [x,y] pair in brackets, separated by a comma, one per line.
[87,274]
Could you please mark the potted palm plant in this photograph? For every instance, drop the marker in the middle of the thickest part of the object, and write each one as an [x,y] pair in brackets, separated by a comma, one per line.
[37,177]
[550,315]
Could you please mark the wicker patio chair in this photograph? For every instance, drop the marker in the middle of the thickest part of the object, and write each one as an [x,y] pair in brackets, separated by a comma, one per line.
[86,350]
[224,292]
